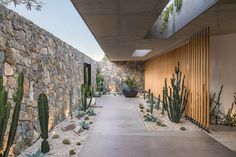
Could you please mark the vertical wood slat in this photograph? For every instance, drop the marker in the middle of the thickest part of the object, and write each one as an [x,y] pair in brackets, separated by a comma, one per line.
[194,58]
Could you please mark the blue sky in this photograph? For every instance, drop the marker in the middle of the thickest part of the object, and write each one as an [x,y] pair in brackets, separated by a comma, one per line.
[61,19]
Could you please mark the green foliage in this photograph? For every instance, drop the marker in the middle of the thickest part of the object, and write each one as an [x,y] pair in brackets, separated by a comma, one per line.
[131,82]
[91,112]
[176,99]
[84,125]
[169,11]
[86,93]
[37,154]
[72,152]
[17,97]
[80,114]
[66,141]
[29,4]
[99,81]
[157,106]
[230,118]
[105,59]
[178,5]
[216,113]
[43,121]
[55,136]
[150,118]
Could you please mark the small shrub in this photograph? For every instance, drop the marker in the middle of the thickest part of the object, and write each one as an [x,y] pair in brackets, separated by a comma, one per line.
[78,143]
[90,122]
[183,128]
[66,141]
[141,106]
[150,118]
[86,118]
[72,152]
[55,136]
[159,123]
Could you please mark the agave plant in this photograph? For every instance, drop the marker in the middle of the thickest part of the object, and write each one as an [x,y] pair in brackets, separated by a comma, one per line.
[37,154]
[84,125]
[91,112]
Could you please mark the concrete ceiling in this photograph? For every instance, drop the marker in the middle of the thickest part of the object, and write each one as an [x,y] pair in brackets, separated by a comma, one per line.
[121,26]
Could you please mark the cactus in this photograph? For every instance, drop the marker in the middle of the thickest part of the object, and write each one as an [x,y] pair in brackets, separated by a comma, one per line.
[151,104]
[230,118]
[17,97]
[163,107]
[176,99]
[216,106]
[86,92]
[157,106]
[37,154]
[4,113]
[43,120]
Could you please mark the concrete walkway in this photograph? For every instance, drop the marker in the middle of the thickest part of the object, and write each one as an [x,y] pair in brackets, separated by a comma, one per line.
[119,132]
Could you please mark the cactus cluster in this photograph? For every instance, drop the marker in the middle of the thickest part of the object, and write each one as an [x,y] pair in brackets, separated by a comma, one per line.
[175,99]
[5,107]
[216,113]
[86,93]
[230,118]
[43,120]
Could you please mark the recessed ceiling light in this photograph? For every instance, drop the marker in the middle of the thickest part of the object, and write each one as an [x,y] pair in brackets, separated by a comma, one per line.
[141,52]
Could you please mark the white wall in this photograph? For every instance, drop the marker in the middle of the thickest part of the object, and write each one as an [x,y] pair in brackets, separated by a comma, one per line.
[223,61]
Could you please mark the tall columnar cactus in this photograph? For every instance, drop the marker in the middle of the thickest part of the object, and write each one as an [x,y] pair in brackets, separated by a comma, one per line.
[5,107]
[86,93]
[149,94]
[43,120]
[151,104]
[163,107]
[158,102]
[176,99]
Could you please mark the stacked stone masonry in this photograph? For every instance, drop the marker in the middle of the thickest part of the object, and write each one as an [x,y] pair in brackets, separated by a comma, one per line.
[50,66]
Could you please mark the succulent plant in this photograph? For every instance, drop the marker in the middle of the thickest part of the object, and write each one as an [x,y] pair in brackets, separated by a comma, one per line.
[37,154]
[66,141]
[147,110]
[43,121]
[91,112]
[157,105]
[80,114]
[72,152]
[78,143]
[176,99]
[84,125]
[5,113]
[86,93]
[150,118]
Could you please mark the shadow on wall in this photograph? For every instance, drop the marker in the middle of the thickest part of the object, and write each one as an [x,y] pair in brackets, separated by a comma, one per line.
[115,72]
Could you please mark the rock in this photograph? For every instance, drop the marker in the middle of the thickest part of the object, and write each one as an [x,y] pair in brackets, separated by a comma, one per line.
[8,70]
[2,43]
[78,129]
[2,57]
[26,87]
[11,82]
[9,56]
[67,127]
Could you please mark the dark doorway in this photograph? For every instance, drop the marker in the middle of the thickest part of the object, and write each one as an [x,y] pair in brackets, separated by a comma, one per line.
[87,74]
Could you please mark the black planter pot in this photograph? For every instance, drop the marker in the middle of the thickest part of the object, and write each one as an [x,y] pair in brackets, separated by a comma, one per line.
[130,92]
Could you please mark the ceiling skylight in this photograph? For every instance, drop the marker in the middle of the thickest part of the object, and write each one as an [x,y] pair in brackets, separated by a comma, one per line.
[141,52]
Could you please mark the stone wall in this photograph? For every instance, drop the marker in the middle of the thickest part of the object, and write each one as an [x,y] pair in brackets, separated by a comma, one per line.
[50,66]
[115,72]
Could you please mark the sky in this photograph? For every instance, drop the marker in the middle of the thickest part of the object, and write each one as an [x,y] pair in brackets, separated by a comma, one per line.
[60,18]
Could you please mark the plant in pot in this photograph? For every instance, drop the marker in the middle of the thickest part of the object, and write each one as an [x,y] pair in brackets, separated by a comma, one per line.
[130,87]
[99,84]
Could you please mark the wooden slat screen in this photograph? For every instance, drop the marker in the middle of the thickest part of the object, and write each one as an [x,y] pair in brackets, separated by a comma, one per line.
[194,59]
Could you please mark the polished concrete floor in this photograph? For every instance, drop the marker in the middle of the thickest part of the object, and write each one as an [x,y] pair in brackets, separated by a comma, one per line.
[119,132]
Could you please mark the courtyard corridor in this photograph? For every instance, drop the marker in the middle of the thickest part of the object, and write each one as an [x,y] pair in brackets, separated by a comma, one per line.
[119,132]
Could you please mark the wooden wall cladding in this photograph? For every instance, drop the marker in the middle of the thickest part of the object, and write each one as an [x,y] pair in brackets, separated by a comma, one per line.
[194,59]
